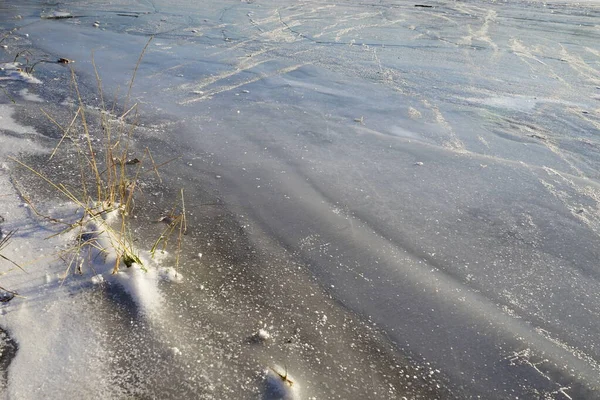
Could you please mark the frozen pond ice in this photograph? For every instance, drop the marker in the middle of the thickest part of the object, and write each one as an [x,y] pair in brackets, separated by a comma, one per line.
[430,170]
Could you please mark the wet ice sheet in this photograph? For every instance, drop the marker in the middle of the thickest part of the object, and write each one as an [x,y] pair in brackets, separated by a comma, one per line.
[435,167]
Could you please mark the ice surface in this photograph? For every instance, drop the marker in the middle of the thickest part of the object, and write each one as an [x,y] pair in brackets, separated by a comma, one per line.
[433,170]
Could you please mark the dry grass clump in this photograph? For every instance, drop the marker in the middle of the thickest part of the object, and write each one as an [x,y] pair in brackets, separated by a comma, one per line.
[108,180]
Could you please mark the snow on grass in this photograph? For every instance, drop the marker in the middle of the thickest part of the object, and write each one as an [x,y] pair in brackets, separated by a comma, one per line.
[61,339]
[93,250]
[57,347]
[101,251]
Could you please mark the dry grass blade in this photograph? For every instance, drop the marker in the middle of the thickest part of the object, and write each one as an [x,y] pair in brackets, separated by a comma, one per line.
[14,294]
[113,170]
[137,65]
[94,164]
[27,200]
[182,230]
[128,111]
[8,95]
[64,130]
[19,54]
[154,167]
[3,243]
[98,82]
[60,188]
[7,34]
[283,376]
[164,236]
[174,221]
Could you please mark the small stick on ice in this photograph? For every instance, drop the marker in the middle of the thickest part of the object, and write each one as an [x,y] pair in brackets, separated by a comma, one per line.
[279,385]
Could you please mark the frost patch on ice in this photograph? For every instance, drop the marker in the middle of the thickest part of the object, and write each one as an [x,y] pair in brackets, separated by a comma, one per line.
[61,338]
[7,122]
[414,113]
[96,249]
[27,95]
[169,274]
[56,15]
[401,132]
[14,72]
[517,103]
[260,337]
[175,351]
[59,342]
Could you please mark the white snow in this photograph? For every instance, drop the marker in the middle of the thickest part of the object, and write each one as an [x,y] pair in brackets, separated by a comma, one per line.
[61,340]
[56,15]
[14,72]
[263,335]
[175,351]
[60,347]
[98,279]
[27,95]
[7,122]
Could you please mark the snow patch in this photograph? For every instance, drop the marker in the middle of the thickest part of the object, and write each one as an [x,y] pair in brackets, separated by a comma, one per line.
[56,15]
[60,336]
[113,258]
[27,95]
[14,72]
[175,351]
[7,122]
[263,334]
[517,103]
[60,346]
